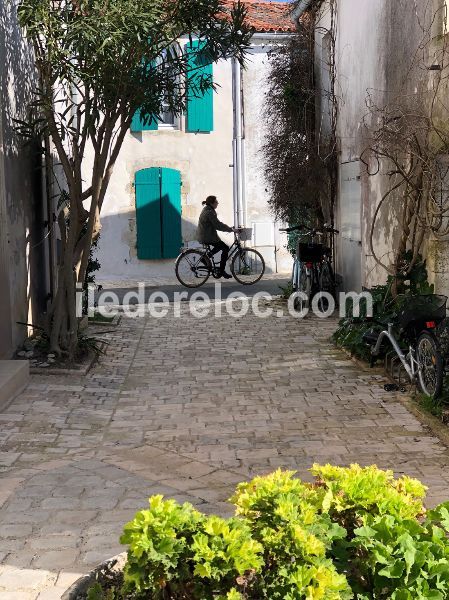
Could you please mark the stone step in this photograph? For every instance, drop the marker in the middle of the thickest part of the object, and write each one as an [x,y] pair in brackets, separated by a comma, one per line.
[14,376]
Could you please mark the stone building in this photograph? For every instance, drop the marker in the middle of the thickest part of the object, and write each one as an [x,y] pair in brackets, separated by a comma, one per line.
[166,169]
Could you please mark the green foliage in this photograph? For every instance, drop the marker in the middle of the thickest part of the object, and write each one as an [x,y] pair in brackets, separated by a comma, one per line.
[90,344]
[432,406]
[97,592]
[353,533]
[175,549]
[350,330]
[122,55]
[286,290]
[296,173]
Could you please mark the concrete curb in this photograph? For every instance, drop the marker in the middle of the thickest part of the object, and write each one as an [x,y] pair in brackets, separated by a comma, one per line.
[14,377]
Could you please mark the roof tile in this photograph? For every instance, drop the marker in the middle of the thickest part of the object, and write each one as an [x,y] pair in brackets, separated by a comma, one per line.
[268,16]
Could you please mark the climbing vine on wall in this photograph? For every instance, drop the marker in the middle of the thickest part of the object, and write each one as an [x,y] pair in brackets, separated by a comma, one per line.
[408,147]
[300,158]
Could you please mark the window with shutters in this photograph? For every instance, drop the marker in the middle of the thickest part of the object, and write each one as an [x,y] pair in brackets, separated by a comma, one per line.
[200,101]
[158,213]
[166,119]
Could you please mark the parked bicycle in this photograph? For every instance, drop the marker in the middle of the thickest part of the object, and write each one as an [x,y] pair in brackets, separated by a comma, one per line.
[312,271]
[412,334]
[194,266]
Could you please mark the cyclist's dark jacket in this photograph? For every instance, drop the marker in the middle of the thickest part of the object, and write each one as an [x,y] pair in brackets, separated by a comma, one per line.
[208,225]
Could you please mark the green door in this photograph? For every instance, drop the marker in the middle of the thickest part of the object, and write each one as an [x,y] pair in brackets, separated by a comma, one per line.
[158,213]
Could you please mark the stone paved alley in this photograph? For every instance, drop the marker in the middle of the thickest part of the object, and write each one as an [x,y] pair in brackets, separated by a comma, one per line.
[187,408]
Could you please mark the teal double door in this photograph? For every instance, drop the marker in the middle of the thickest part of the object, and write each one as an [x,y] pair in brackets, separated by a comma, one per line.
[158,213]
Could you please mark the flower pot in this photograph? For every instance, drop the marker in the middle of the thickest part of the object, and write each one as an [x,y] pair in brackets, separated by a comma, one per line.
[79,589]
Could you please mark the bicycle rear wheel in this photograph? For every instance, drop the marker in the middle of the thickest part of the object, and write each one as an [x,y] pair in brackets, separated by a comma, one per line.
[193,268]
[248,266]
[430,363]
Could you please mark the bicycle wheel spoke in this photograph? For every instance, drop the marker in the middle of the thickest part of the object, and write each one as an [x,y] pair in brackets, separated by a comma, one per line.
[248,266]
[430,367]
[192,268]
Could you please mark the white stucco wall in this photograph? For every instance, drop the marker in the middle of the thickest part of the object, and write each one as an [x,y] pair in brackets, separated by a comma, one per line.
[375,47]
[205,162]
[22,265]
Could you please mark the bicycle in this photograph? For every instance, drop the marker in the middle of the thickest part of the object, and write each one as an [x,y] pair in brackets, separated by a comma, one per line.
[312,270]
[194,266]
[415,325]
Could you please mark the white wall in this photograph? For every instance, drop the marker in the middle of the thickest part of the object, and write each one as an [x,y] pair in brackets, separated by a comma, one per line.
[22,267]
[375,47]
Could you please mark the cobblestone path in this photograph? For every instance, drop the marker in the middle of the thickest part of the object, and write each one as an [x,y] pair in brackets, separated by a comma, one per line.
[187,408]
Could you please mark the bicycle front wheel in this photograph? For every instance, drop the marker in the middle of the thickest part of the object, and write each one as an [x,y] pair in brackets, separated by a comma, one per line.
[301,302]
[327,285]
[193,268]
[430,364]
[248,266]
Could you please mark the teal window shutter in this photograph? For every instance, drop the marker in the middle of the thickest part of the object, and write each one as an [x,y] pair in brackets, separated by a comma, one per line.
[158,213]
[200,106]
[137,123]
[148,213]
[171,212]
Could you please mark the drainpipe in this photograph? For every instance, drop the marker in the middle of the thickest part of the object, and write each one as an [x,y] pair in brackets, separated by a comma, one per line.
[301,8]
[237,144]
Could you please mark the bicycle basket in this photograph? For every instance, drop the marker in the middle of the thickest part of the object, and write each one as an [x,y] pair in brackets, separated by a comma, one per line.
[245,234]
[310,252]
[418,309]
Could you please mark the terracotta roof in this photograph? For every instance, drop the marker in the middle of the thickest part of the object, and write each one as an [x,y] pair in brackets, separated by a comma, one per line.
[268,16]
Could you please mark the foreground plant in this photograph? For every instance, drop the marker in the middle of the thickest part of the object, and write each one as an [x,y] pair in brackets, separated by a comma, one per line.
[353,533]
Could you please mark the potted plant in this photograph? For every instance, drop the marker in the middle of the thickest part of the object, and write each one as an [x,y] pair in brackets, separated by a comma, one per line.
[353,533]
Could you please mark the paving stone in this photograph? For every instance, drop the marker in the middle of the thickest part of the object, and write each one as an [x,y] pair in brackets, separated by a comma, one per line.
[65,580]
[50,542]
[95,557]
[56,559]
[17,580]
[53,593]
[18,595]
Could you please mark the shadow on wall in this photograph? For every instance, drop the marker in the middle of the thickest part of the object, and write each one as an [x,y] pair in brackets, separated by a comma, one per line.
[117,247]
[26,231]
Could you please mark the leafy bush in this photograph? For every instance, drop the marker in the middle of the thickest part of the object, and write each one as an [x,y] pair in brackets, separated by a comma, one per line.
[353,533]
[350,330]
[286,290]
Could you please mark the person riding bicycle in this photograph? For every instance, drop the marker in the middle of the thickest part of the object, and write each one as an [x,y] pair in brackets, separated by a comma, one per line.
[208,225]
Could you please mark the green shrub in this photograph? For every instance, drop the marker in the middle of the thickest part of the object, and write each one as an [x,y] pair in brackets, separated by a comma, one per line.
[350,330]
[353,533]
